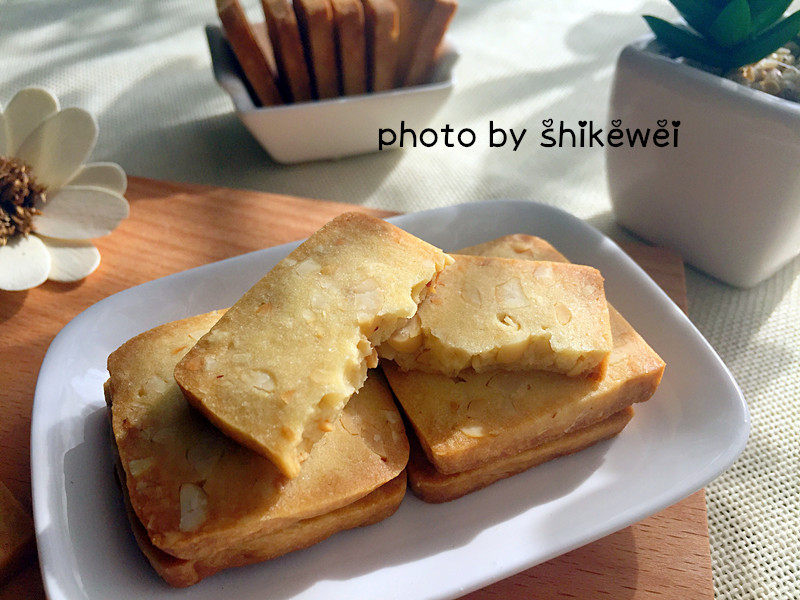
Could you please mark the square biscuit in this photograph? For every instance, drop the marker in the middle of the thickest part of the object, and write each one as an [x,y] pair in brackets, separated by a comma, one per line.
[287,47]
[351,45]
[432,486]
[254,62]
[382,33]
[186,480]
[477,418]
[518,246]
[486,313]
[177,572]
[280,365]
[317,30]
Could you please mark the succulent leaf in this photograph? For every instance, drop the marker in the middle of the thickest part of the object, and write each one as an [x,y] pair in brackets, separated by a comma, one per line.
[766,43]
[765,12]
[699,15]
[730,33]
[683,42]
[732,25]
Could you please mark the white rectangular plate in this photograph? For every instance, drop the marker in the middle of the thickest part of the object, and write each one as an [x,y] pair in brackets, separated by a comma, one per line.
[687,434]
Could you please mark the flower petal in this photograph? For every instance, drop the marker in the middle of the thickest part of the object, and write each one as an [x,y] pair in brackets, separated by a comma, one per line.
[107,175]
[24,263]
[27,109]
[57,148]
[71,260]
[81,213]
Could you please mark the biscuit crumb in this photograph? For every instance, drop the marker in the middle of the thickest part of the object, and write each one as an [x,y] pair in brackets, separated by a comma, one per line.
[563,314]
[194,364]
[510,294]
[308,266]
[194,503]
[372,359]
[139,465]
[474,431]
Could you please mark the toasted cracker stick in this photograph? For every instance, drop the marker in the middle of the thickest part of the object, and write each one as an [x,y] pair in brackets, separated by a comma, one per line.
[284,34]
[315,18]
[251,57]
[422,26]
[412,15]
[429,41]
[351,45]
[382,29]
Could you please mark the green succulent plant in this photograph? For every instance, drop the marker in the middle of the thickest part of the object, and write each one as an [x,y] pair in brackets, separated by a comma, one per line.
[727,33]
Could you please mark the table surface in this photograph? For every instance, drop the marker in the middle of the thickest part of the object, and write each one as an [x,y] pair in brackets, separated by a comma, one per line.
[665,554]
[143,69]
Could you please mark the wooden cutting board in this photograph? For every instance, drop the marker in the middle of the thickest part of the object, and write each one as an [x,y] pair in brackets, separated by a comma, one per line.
[173,227]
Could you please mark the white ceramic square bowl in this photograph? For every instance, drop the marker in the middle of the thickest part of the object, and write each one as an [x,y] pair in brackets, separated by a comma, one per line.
[728,197]
[688,433]
[333,128]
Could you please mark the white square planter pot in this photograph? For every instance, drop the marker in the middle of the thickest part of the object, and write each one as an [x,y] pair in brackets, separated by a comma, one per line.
[727,197]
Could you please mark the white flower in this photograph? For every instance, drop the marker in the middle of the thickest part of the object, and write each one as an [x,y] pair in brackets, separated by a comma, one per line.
[83,201]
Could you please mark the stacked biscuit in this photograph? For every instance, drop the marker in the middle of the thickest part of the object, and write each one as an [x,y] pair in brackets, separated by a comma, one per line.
[517,360]
[244,434]
[316,49]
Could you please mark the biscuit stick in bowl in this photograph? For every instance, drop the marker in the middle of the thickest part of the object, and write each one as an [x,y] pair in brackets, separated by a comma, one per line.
[251,57]
[382,26]
[290,60]
[351,45]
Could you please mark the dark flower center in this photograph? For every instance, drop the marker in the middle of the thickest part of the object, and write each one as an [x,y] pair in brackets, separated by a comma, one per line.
[19,196]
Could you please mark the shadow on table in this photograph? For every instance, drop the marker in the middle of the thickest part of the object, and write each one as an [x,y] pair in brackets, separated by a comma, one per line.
[763,358]
[25,584]
[11,303]
[61,287]
[105,29]
[219,150]
[747,351]
[582,86]
[600,569]
[760,365]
